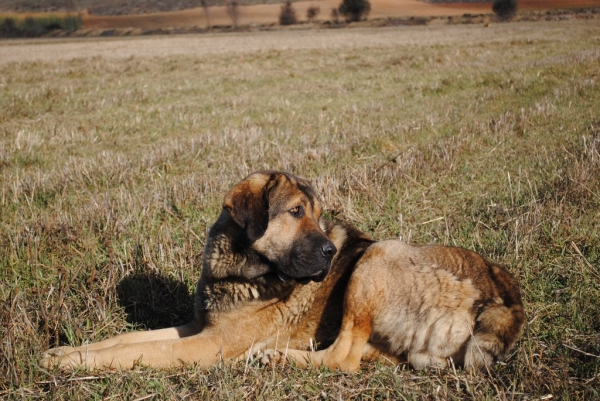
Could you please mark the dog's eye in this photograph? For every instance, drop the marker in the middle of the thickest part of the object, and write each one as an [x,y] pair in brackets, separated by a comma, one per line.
[297,211]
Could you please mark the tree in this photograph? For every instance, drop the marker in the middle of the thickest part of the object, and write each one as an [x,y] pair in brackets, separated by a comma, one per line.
[204,4]
[355,10]
[312,12]
[234,12]
[505,8]
[287,15]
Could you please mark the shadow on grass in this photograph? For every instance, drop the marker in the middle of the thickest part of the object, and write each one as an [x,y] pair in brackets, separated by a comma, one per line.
[154,301]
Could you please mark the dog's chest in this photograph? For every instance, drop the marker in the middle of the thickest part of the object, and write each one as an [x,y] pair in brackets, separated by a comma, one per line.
[298,305]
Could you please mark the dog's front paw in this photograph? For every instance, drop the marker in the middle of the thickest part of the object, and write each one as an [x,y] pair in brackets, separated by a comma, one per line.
[57,352]
[271,357]
[62,358]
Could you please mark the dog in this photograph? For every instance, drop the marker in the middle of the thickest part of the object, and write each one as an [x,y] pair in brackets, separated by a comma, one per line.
[277,276]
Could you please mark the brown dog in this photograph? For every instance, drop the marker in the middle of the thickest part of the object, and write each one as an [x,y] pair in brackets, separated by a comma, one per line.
[276,274]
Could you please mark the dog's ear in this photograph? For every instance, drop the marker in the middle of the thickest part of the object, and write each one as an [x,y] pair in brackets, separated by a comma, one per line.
[248,203]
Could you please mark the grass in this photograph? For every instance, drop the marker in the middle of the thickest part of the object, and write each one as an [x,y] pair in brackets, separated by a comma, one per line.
[112,169]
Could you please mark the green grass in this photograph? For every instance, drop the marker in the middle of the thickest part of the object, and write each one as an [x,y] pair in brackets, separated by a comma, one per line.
[38,25]
[113,169]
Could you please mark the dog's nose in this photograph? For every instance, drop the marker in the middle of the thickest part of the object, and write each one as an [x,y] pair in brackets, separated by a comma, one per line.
[328,250]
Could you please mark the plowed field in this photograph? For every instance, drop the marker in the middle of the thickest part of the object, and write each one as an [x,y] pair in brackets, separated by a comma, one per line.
[268,13]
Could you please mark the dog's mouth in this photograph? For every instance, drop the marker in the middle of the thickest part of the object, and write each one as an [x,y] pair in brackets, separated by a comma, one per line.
[318,277]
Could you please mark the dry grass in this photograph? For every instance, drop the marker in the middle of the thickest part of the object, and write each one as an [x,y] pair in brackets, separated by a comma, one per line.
[112,168]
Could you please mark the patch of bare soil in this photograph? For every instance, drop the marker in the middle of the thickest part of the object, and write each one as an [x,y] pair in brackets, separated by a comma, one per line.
[265,14]
[268,13]
[527,5]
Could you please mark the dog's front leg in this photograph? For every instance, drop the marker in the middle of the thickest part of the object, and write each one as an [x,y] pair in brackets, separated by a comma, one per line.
[230,335]
[202,349]
[170,333]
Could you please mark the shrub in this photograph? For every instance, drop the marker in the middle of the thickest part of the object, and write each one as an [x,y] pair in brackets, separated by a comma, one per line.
[38,26]
[8,24]
[312,12]
[335,15]
[72,23]
[8,28]
[287,16]
[354,10]
[505,8]
[30,23]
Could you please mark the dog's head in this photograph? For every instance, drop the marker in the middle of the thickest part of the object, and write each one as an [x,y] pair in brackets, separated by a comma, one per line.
[279,214]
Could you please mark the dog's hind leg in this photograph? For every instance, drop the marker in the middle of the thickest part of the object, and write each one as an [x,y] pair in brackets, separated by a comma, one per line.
[499,324]
[494,334]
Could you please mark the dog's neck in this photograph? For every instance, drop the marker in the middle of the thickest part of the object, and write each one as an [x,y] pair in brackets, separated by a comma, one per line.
[231,277]
[223,259]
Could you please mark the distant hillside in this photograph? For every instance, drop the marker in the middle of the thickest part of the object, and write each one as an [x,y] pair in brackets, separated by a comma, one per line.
[45,5]
[456,1]
[129,7]
[114,7]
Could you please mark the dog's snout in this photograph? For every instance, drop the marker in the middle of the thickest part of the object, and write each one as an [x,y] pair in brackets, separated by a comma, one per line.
[328,250]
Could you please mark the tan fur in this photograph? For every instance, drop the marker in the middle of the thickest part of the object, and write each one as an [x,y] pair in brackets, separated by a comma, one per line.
[428,305]
[420,305]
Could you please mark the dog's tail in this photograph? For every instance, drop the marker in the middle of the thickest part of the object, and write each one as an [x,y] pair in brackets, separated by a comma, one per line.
[498,324]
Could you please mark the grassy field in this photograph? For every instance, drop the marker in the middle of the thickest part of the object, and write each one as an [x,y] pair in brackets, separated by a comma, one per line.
[113,165]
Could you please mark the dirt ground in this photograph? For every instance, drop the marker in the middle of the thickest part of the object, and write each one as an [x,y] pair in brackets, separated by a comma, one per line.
[265,13]
[268,13]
